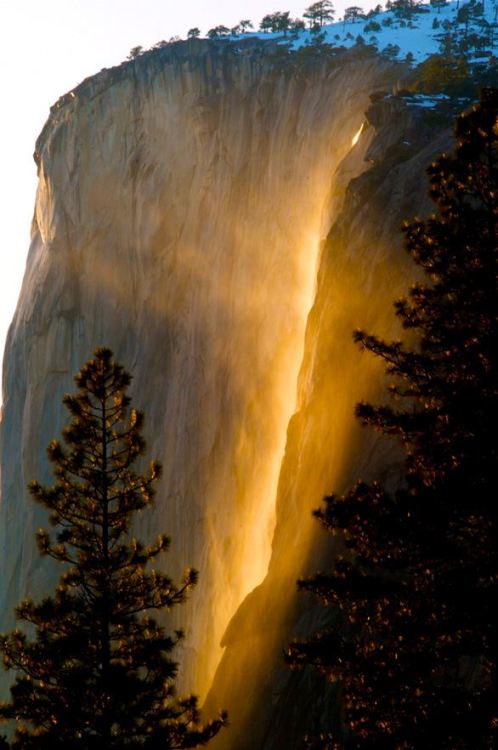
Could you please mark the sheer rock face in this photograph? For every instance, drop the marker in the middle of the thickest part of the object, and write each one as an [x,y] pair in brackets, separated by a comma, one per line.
[182,204]
[362,270]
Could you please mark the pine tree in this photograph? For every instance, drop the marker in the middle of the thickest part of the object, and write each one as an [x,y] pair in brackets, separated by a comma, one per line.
[246,25]
[98,673]
[135,52]
[266,23]
[319,13]
[275,22]
[414,651]
[218,32]
[438,4]
[404,8]
[353,13]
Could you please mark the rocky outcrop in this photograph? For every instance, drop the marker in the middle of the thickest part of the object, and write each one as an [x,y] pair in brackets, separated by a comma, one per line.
[363,268]
[182,206]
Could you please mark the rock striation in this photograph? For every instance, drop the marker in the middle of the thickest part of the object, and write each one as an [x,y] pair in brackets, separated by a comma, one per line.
[202,211]
[363,268]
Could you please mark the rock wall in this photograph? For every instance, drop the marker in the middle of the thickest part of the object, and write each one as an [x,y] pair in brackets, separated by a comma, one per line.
[182,208]
[363,269]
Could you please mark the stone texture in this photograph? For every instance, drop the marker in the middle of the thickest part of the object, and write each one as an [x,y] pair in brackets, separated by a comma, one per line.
[182,200]
[363,268]
[183,206]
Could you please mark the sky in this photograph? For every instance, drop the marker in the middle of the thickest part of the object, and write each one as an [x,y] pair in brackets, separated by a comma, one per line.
[49,46]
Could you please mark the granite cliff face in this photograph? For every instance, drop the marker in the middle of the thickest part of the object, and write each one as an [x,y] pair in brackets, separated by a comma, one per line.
[182,208]
[363,268]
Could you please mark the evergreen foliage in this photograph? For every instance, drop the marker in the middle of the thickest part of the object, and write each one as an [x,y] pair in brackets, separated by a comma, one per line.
[297,25]
[468,35]
[372,27]
[391,51]
[402,8]
[438,4]
[275,22]
[414,651]
[444,73]
[98,673]
[319,13]
[135,52]
[218,32]
[245,25]
[352,14]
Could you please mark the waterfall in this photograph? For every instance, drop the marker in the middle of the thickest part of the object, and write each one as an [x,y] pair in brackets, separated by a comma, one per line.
[181,210]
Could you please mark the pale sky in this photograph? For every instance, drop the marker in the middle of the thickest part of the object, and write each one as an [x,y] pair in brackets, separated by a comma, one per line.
[49,46]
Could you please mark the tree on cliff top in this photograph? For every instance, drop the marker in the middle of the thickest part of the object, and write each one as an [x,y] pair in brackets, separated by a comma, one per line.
[219,32]
[353,13]
[275,22]
[98,673]
[245,25]
[135,52]
[319,13]
[415,650]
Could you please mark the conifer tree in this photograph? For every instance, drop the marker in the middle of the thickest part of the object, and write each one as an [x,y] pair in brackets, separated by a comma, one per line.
[135,52]
[353,13]
[246,25]
[319,13]
[95,671]
[218,32]
[414,651]
[275,22]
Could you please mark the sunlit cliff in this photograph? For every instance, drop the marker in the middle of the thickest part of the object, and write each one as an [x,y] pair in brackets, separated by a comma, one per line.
[222,224]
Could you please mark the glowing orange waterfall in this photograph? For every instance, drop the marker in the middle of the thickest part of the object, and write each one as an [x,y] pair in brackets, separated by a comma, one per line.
[181,208]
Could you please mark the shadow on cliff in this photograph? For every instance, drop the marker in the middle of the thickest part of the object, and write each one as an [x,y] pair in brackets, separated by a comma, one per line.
[363,269]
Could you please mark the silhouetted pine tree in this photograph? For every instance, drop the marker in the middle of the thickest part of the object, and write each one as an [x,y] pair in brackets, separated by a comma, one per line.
[98,673]
[319,13]
[415,649]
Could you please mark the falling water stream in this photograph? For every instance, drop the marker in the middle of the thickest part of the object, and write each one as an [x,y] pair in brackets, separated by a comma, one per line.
[179,220]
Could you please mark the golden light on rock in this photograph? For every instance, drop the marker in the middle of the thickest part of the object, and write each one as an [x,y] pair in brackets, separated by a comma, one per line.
[356,136]
[188,240]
